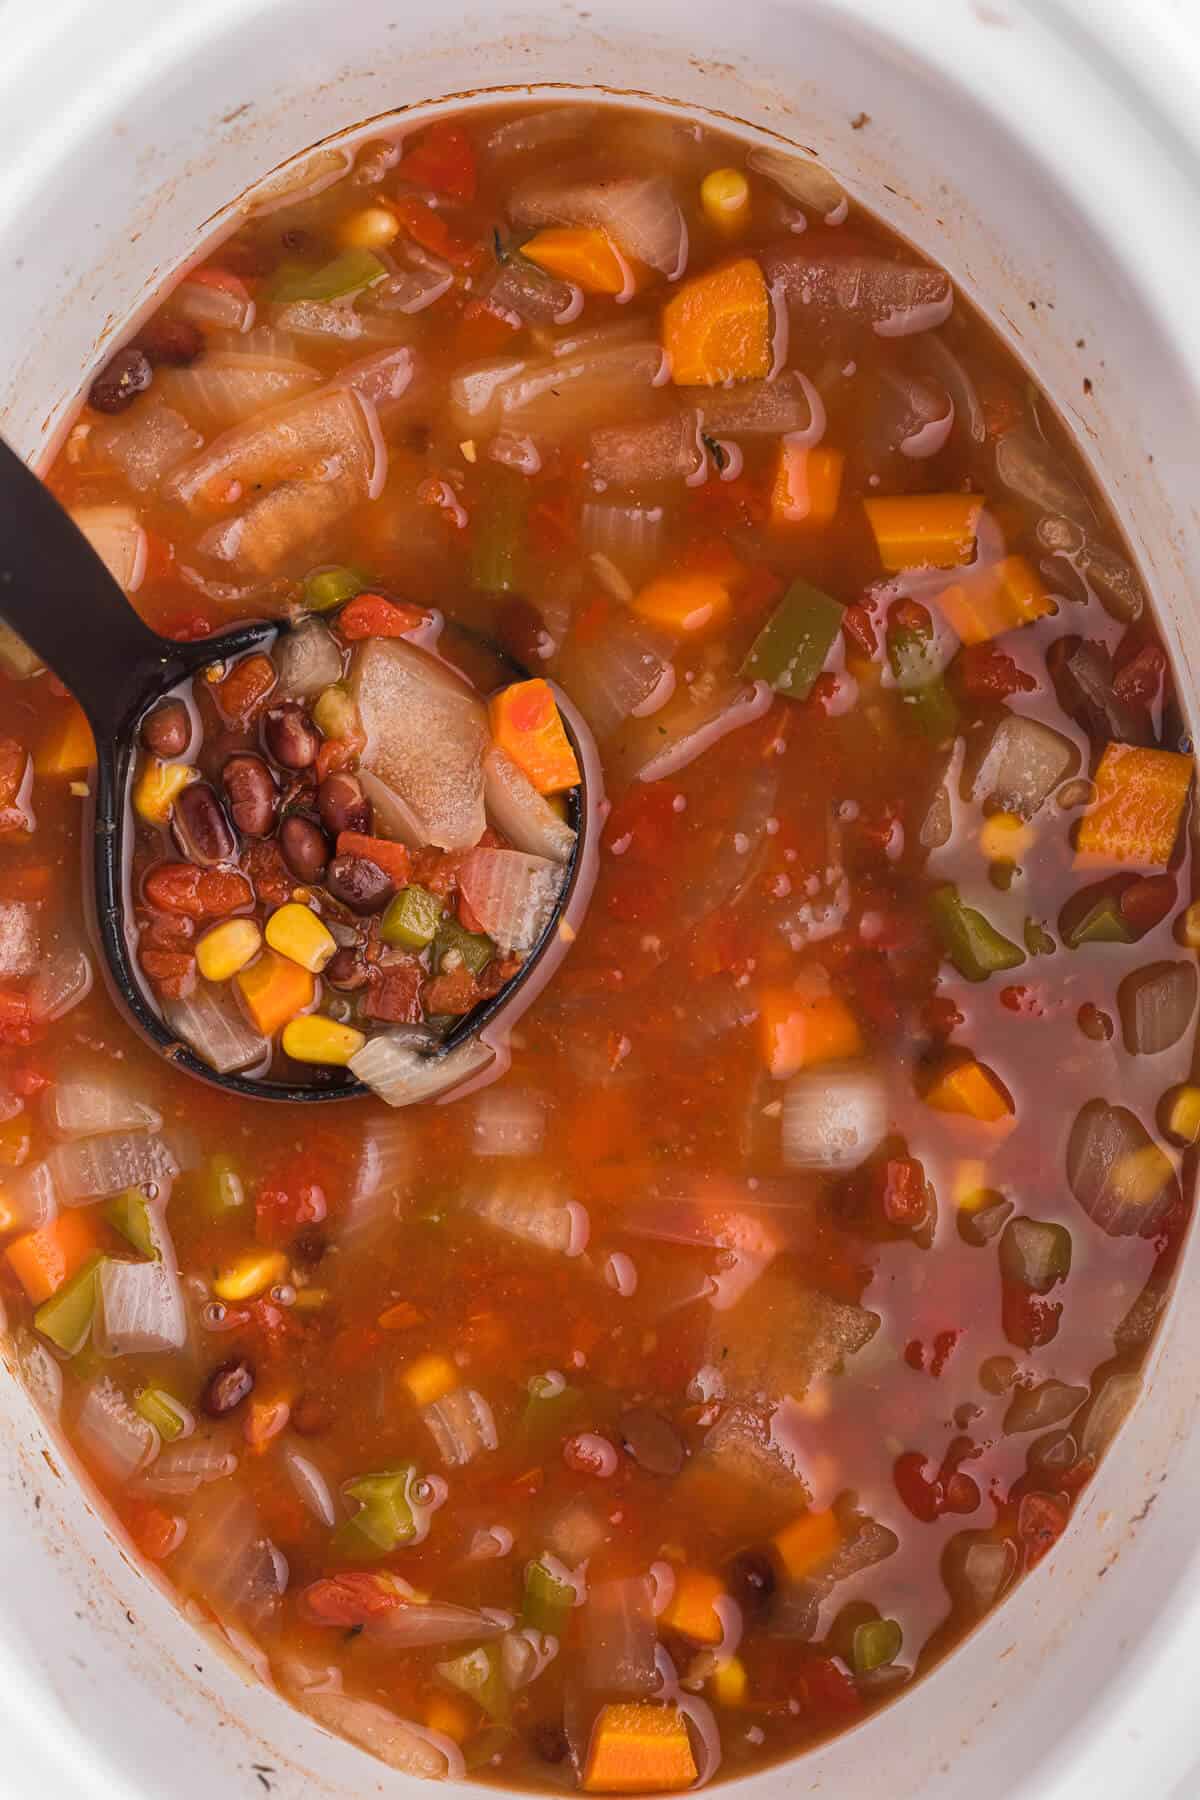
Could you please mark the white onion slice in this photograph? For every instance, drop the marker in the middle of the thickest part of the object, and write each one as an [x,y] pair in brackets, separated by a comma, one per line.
[508,1121]
[92,1168]
[90,1099]
[833,1118]
[462,1425]
[302,180]
[512,894]
[112,1434]
[799,177]
[211,1025]
[20,939]
[533,1209]
[525,817]
[185,1467]
[311,1487]
[402,1077]
[61,983]
[412,1749]
[427,734]
[307,660]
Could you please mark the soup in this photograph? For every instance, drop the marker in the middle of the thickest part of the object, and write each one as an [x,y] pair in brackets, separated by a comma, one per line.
[671,1399]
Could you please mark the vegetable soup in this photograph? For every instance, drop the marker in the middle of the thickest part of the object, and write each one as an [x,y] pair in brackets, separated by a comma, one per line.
[670,1396]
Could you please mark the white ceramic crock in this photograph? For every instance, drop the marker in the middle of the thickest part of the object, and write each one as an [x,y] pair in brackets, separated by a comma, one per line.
[1048,152]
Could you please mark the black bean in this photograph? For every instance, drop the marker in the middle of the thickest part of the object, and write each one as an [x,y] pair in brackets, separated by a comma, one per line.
[343,805]
[550,1741]
[358,884]
[346,971]
[750,1578]
[652,1441]
[304,848]
[290,736]
[252,795]
[226,1388]
[175,342]
[121,380]
[200,828]
[167,731]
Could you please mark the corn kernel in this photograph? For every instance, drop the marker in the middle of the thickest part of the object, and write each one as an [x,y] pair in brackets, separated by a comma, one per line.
[725,199]
[373,228]
[729,1682]
[296,932]
[227,948]
[1005,837]
[1183,1116]
[251,1274]
[158,786]
[313,1038]
[1187,928]
[970,1186]
[1140,1174]
[310,1299]
[429,1378]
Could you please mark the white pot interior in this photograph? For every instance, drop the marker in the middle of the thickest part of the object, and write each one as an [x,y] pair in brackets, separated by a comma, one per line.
[1047,163]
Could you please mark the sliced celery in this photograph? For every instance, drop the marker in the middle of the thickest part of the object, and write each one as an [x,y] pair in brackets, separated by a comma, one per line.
[162,1410]
[548,1601]
[928,702]
[326,588]
[970,941]
[790,650]
[498,533]
[66,1318]
[412,919]
[224,1191]
[347,274]
[876,1644]
[129,1213]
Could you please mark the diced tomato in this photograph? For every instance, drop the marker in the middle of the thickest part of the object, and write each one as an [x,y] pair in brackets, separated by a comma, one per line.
[928,1497]
[155,1532]
[1146,902]
[910,615]
[482,332]
[371,615]
[16,1018]
[288,1201]
[247,685]
[859,629]
[351,1599]
[986,673]
[1138,681]
[443,159]
[1030,1320]
[269,875]
[431,231]
[196,893]
[904,1193]
[336,754]
[171,973]
[825,1690]
[451,994]
[395,998]
[1041,1521]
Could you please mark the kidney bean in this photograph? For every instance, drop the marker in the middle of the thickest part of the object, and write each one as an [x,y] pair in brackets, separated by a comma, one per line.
[121,380]
[343,805]
[200,828]
[252,794]
[290,736]
[652,1441]
[304,848]
[175,342]
[358,884]
[346,971]
[167,731]
[228,1385]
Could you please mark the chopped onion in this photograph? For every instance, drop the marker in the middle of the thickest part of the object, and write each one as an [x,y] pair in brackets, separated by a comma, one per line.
[20,939]
[311,1487]
[627,673]
[1040,1407]
[210,1024]
[213,308]
[526,294]
[489,1543]
[415,281]
[598,384]
[1108,1412]
[914,416]
[41,1373]
[326,433]
[938,356]
[307,660]
[91,1168]
[512,894]
[788,406]
[88,1099]
[833,1119]
[1029,468]
[402,1077]
[146,444]
[524,1655]
[385,1165]
[508,1121]
[112,1434]
[118,540]
[462,1425]
[513,452]
[896,298]
[283,522]
[412,1749]
[227,1557]
[630,535]
[328,323]
[541,130]
[32,1195]
[302,180]
[141,1307]
[800,178]
[667,449]
[63,980]
[1089,673]
[1157,1006]
[534,1209]
[525,817]
[224,388]
[383,379]
[639,212]
[1024,763]
[1123,1181]
[620,1638]
[186,1466]
[978,1569]
[427,733]
[688,731]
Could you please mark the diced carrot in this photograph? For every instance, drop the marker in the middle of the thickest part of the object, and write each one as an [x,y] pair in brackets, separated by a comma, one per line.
[686,603]
[370,615]
[43,1260]
[717,327]
[1140,798]
[155,1532]
[998,600]
[582,255]
[807,487]
[394,859]
[638,1747]
[971,1089]
[807,1543]
[245,688]
[443,159]
[526,726]
[692,1610]
[69,749]
[274,989]
[802,1030]
[915,531]
[431,231]
[452,1715]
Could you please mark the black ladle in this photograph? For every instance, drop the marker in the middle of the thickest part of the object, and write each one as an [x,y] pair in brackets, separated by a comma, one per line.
[58,595]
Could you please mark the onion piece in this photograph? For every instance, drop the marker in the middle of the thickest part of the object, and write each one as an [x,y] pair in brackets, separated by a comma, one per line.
[210,1024]
[1086,690]
[1157,1005]
[112,1434]
[462,1425]
[383,379]
[20,939]
[284,521]
[667,449]
[789,404]
[426,736]
[535,1209]
[525,817]
[227,1557]
[1123,1180]
[402,1077]
[326,435]
[1108,1411]
[512,894]
[213,308]
[489,1543]
[528,295]
[185,1467]
[541,130]
[146,444]
[508,1121]
[834,1119]
[41,1373]
[628,534]
[597,384]
[978,1569]
[92,1168]
[620,1638]
[412,1749]
[384,1169]
[1023,764]
[1029,468]
[1040,1407]
[416,280]
[945,365]
[628,672]
[118,540]
[896,298]
[62,982]
[224,388]
[302,180]
[89,1099]
[311,1487]
[307,660]
[914,416]
[639,212]
[799,177]
[32,1196]
[141,1305]
[679,736]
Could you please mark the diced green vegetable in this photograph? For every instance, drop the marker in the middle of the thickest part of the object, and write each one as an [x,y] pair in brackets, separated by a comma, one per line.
[385,1516]
[326,588]
[412,919]
[1038,940]
[549,1408]
[346,274]
[548,1600]
[223,1190]
[790,650]
[162,1410]
[928,702]
[334,712]
[66,1318]
[498,522]
[129,1213]
[1094,919]
[1035,1254]
[974,946]
[876,1644]
[474,949]
[480,1674]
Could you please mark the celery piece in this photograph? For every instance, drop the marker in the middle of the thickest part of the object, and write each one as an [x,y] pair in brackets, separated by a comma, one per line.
[548,1601]
[129,1213]
[549,1408]
[484,1746]
[346,274]
[876,1644]
[326,588]
[498,533]
[224,1191]
[412,919]
[1094,919]
[160,1409]
[385,1516]
[974,946]
[66,1318]
[1035,1254]
[475,949]
[479,1673]
[928,702]
[790,650]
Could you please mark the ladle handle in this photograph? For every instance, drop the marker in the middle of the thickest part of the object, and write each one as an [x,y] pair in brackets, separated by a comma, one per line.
[59,597]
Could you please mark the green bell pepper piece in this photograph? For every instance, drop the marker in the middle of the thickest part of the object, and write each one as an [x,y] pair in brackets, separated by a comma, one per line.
[548,1601]
[928,702]
[480,1674]
[346,274]
[223,1189]
[876,1644]
[498,523]
[475,949]
[66,1318]
[385,1516]
[326,588]
[1035,1254]
[974,946]
[1098,921]
[412,919]
[160,1409]
[549,1409]
[790,650]
[129,1213]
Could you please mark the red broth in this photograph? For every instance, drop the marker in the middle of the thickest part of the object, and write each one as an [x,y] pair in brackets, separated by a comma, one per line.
[672,1402]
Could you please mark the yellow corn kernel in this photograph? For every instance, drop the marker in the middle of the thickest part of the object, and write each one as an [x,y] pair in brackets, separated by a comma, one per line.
[430,1377]
[313,1038]
[729,1682]
[970,1189]
[251,1274]
[1005,837]
[373,228]
[296,932]
[227,948]
[453,1717]
[725,200]
[1187,928]
[158,786]
[1183,1115]
[310,1299]
[1139,1175]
